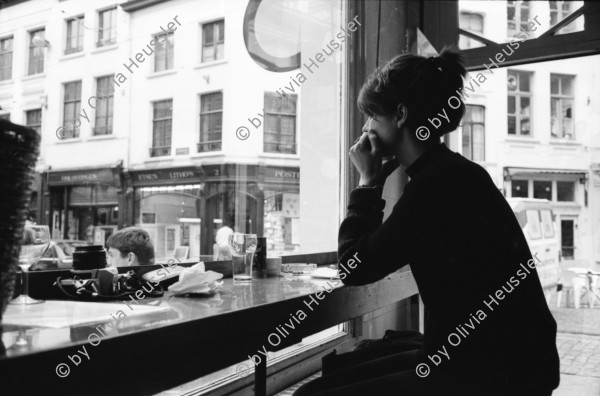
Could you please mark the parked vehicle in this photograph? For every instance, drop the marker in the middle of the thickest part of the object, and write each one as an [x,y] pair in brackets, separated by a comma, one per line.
[538,223]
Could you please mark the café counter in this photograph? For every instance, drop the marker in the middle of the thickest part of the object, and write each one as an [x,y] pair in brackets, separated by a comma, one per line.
[148,346]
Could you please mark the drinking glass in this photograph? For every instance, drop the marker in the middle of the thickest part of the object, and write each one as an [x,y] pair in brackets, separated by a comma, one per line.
[36,240]
[242,248]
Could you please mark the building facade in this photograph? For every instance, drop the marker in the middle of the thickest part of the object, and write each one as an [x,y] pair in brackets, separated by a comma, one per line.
[145,120]
[534,127]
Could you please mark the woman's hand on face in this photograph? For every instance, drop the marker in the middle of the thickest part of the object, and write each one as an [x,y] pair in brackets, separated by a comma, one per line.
[366,157]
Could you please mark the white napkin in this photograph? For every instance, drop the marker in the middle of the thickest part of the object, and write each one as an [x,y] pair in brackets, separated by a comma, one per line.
[196,280]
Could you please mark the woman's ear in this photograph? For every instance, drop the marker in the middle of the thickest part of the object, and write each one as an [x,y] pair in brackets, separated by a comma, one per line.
[401,115]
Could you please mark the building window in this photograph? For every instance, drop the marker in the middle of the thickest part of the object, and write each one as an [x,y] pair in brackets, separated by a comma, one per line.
[519,188]
[519,103]
[517,17]
[280,123]
[161,128]
[33,120]
[561,106]
[74,35]
[6,56]
[473,23]
[36,52]
[565,191]
[107,27]
[104,106]
[211,122]
[213,41]
[559,10]
[163,58]
[542,189]
[473,133]
[71,109]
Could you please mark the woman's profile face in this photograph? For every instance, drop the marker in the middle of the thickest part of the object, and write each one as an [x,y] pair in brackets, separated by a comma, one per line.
[386,130]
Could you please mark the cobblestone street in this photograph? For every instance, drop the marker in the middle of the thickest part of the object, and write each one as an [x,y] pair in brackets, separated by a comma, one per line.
[578,342]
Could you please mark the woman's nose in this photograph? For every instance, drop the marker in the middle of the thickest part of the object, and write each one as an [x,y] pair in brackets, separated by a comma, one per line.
[365,127]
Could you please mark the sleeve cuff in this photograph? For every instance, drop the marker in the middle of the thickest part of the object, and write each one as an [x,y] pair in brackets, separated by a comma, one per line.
[367,199]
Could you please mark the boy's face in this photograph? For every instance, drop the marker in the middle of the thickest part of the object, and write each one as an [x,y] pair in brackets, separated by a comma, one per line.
[114,258]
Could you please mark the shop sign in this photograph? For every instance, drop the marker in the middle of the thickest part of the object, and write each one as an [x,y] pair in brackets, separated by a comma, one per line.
[81,177]
[170,174]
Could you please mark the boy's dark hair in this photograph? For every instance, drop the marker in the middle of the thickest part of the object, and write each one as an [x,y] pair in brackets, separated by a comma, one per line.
[424,85]
[134,240]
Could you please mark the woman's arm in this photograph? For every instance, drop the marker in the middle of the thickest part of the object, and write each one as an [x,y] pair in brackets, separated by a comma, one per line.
[368,249]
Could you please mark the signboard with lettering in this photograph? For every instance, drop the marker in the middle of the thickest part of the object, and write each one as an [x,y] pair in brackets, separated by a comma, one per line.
[104,176]
[156,176]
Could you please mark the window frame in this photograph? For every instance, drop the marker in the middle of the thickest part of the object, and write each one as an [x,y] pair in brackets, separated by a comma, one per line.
[36,126]
[161,151]
[77,22]
[280,116]
[518,94]
[518,6]
[470,124]
[109,114]
[468,41]
[75,132]
[215,43]
[31,70]
[560,97]
[169,51]
[9,53]
[561,14]
[206,114]
[112,29]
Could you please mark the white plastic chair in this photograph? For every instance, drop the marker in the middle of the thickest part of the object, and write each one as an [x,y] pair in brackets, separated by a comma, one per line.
[585,282]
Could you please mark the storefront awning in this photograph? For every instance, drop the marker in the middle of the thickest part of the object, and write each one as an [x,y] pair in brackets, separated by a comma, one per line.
[512,171]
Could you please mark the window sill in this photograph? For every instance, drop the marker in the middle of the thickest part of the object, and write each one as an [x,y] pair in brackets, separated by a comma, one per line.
[205,154]
[74,55]
[164,158]
[6,82]
[33,76]
[70,140]
[564,142]
[211,63]
[515,139]
[279,155]
[109,47]
[162,73]
[102,137]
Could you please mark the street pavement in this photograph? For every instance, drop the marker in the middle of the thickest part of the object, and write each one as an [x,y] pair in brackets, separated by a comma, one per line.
[578,342]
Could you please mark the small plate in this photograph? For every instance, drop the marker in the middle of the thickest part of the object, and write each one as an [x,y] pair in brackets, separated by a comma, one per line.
[325,273]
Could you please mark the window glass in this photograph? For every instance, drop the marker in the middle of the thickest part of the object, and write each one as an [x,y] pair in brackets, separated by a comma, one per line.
[36,51]
[163,57]
[74,35]
[107,27]
[542,189]
[161,128]
[533,224]
[565,191]
[71,109]
[547,224]
[520,189]
[6,57]
[33,119]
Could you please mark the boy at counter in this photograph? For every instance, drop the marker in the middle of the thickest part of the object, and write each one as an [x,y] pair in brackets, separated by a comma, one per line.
[129,246]
[488,329]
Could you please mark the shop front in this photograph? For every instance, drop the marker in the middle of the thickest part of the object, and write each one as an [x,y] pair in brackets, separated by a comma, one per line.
[82,204]
[183,208]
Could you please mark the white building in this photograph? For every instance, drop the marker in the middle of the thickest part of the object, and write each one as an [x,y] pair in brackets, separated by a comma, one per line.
[534,127]
[142,108]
